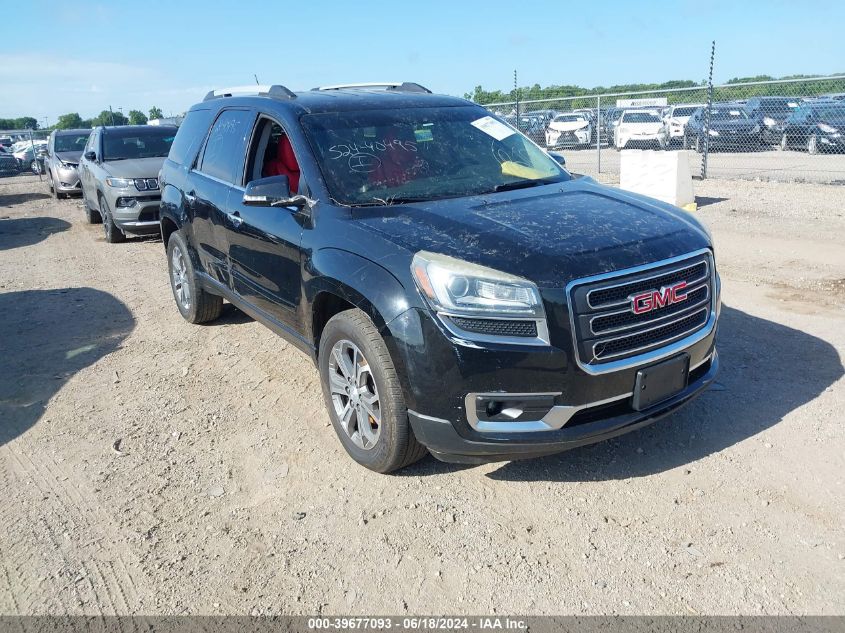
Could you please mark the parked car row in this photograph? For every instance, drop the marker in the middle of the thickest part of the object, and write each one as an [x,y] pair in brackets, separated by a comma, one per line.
[459,291]
[813,124]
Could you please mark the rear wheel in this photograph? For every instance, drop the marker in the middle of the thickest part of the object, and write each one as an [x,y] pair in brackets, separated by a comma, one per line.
[363,395]
[784,144]
[813,144]
[113,234]
[195,304]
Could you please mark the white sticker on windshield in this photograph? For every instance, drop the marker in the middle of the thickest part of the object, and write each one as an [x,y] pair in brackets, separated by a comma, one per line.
[492,127]
[792,104]
[734,112]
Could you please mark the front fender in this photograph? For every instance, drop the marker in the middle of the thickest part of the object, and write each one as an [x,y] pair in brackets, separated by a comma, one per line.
[358,280]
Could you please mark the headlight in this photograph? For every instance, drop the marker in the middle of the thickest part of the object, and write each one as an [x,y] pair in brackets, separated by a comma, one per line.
[713,132]
[454,286]
[119,183]
[769,121]
[755,129]
[827,129]
[460,291]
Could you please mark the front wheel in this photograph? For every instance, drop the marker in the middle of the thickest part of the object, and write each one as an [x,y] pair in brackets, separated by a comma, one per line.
[195,304]
[113,234]
[784,144]
[813,144]
[363,395]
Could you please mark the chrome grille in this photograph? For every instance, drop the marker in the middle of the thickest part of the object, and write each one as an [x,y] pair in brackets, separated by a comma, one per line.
[606,328]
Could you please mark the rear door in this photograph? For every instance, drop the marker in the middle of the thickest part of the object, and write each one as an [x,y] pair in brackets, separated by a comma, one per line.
[217,172]
[264,242]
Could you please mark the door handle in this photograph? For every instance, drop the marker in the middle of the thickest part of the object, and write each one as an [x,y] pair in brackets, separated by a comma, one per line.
[235,218]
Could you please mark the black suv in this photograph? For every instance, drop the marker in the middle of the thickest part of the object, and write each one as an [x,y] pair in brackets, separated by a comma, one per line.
[459,291]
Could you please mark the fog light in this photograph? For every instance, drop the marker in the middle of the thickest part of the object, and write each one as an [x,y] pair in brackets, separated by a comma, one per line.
[126,202]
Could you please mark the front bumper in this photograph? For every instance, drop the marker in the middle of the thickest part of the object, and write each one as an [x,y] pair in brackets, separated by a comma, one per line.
[438,375]
[832,142]
[556,138]
[66,180]
[610,420]
[637,138]
[135,212]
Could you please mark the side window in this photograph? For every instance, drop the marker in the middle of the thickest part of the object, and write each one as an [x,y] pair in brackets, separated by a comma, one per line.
[223,156]
[271,154]
[189,137]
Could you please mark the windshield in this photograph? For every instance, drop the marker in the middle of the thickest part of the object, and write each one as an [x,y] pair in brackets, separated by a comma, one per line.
[830,113]
[686,111]
[569,118]
[70,142]
[125,144]
[640,117]
[393,156]
[727,114]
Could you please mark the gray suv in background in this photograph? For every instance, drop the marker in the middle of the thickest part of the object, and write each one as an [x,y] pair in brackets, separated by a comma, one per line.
[119,174]
[64,149]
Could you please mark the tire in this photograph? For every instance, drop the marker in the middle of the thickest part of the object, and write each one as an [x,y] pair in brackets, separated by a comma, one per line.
[698,147]
[113,234]
[195,304]
[686,142]
[92,216]
[812,144]
[784,143]
[388,444]
[53,191]
[34,167]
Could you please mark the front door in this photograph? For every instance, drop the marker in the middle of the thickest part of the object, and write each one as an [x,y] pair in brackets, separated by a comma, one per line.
[264,242]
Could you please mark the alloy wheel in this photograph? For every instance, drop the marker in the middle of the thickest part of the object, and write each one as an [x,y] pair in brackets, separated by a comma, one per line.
[354,394]
[179,279]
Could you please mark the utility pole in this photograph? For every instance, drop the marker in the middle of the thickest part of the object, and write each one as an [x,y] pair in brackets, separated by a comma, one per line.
[516,97]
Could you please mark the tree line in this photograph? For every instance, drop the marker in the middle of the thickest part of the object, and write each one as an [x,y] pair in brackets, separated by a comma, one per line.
[72,120]
[815,85]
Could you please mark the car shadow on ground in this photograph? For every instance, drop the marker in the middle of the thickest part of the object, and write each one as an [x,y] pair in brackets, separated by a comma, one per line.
[767,371]
[703,201]
[9,199]
[18,232]
[47,337]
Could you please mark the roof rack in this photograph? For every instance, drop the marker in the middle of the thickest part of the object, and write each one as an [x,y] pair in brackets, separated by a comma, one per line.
[404,86]
[276,90]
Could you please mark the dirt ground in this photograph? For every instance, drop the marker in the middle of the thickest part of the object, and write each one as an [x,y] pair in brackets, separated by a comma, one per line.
[151,466]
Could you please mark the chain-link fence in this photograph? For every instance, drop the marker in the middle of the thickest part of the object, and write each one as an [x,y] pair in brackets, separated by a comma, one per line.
[22,150]
[775,130]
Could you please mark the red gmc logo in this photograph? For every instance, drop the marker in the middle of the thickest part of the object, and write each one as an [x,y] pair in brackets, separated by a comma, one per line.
[654,299]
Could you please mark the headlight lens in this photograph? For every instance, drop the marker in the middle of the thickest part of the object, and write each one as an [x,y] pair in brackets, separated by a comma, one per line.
[769,121]
[756,129]
[457,287]
[713,132]
[119,183]
[827,129]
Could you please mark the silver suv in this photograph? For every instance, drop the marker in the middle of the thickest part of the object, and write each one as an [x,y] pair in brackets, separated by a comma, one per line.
[119,173]
[64,149]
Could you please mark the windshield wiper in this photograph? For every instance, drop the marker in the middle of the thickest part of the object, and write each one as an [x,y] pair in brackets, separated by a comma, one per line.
[386,202]
[519,184]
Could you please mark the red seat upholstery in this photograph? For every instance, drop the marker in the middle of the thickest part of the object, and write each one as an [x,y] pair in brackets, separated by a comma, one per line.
[284,164]
[396,164]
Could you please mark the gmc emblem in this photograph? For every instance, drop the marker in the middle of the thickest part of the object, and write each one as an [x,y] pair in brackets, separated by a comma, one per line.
[654,299]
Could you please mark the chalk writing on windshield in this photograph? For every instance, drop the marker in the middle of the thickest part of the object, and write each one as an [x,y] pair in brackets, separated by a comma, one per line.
[363,157]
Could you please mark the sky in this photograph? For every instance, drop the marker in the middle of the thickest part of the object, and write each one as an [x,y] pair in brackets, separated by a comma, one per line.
[84,56]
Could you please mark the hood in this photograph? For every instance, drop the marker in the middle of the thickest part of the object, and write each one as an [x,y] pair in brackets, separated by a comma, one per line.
[135,167]
[741,124]
[653,126]
[69,157]
[567,126]
[549,234]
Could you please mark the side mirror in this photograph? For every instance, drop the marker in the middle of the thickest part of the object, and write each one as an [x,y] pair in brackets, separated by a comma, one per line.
[559,158]
[273,191]
[90,155]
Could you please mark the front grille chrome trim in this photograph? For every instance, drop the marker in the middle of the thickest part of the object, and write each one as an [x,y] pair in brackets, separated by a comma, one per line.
[630,326]
[604,306]
[685,315]
[664,350]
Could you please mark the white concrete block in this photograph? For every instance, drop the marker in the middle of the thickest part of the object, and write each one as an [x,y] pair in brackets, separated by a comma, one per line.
[662,175]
